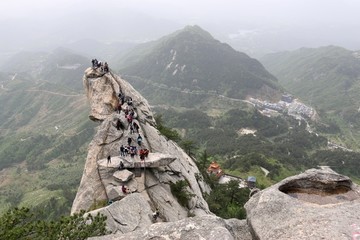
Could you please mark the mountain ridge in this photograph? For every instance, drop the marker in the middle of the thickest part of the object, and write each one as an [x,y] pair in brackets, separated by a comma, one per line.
[192,59]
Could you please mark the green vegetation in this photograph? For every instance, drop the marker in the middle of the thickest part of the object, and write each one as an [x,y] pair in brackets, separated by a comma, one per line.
[191,59]
[227,200]
[23,223]
[98,204]
[167,132]
[44,132]
[179,190]
[281,145]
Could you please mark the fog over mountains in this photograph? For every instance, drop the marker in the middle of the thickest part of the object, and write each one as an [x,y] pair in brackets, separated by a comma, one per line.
[255,28]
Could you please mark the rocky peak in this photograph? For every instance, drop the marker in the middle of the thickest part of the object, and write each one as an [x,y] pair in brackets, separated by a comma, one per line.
[146,181]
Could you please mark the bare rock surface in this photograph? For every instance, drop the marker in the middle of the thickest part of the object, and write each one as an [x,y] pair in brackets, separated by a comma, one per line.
[123,175]
[317,204]
[197,228]
[131,213]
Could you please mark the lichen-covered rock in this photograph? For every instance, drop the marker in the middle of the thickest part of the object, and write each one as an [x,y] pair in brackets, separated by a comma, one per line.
[197,228]
[317,204]
[165,164]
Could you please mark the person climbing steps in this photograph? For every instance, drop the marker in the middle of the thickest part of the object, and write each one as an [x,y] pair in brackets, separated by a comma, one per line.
[156,214]
[108,160]
[139,140]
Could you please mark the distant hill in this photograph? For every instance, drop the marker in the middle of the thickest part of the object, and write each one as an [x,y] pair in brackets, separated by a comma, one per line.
[328,77]
[44,131]
[61,66]
[192,60]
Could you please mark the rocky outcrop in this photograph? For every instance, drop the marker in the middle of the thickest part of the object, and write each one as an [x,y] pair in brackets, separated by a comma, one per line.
[317,204]
[127,215]
[148,180]
[197,228]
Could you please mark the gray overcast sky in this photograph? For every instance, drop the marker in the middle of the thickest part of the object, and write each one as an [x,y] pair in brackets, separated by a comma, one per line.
[301,22]
[187,10]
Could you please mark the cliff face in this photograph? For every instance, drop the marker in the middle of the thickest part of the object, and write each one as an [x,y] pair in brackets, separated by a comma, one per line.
[148,181]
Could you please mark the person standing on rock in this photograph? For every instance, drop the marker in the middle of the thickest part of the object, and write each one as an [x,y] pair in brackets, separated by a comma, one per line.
[121,166]
[132,113]
[118,109]
[126,151]
[129,141]
[131,129]
[130,101]
[122,151]
[129,119]
[142,155]
[139,140]
[106,67]
[132,151]
[124,189]
[156,214]
[136,127]
[108,160]
[119,125]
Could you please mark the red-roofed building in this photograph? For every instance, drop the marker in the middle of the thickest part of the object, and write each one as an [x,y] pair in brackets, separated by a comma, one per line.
[215,169]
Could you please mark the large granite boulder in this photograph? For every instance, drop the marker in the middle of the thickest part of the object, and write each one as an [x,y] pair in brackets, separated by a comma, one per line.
[317,204]
[197,228]
[123,175]
[129,214]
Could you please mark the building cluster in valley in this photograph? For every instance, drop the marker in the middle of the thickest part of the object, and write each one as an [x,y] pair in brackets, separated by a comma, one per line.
[287,104]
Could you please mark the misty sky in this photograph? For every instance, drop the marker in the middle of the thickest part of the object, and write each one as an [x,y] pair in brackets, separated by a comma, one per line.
[252,25]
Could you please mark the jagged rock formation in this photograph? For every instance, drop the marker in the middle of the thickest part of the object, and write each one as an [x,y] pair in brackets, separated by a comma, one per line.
[317,204]
[150,179]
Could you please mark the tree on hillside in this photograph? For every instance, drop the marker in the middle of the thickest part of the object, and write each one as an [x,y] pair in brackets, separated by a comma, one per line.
[188,146]
[203,161]
[227,200]
[22,223]
[166,131]
[179,190]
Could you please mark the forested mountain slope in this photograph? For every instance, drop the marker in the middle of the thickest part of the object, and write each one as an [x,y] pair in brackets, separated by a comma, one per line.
[328,77]
[192,60]
[44,130]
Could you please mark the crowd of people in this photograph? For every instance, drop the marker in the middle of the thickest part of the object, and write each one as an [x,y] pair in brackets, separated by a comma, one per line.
[126,105]
[104,67]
